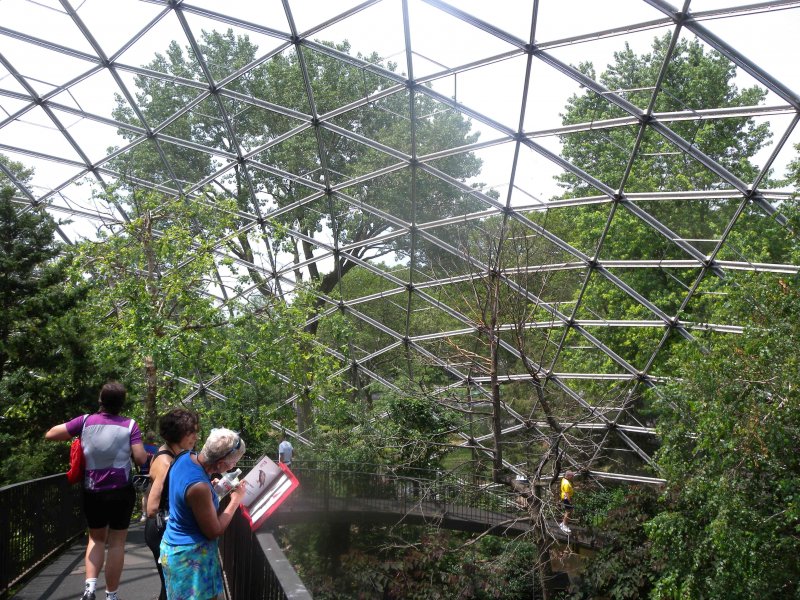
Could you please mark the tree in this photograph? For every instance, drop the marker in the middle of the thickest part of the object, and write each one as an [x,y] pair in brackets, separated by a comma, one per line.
[695,78]
[730,433]
[683,536]
[151,279]
[46,371]
[729,453]
[277,358]
[154,293]
[281,81]
[623,567]
[411,562]
[17,170]
[305,157]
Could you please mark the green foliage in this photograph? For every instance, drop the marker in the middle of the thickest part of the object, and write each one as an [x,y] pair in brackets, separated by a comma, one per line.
[18,171]
[404,430]
[275,357]
[151,280]
[28,456]
[624,567]
[46,371]
[416,431]
[730,437]
[695,78]
[148,278]
[411,563]
[596,504]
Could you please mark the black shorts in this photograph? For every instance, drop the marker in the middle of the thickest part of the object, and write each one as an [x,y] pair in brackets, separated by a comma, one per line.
[567,504]
[112,508]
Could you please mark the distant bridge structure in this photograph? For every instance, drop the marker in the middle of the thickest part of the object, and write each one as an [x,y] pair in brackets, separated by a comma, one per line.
[359,493]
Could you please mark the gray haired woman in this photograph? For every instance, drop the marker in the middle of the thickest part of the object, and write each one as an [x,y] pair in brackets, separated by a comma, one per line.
[189,547]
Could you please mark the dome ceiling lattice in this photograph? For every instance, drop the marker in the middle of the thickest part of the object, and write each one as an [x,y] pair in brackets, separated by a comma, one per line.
[435,148]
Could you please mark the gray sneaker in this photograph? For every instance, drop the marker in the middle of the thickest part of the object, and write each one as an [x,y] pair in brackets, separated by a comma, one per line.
[87,595]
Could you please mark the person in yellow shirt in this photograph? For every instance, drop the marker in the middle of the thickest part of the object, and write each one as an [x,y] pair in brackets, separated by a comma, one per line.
[566,499]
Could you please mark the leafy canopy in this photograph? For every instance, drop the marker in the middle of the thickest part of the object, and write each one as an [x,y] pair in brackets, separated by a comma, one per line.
[730,438]
[45,365]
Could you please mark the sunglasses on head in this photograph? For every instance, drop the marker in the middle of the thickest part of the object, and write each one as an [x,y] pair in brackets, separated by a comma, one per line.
[234,448]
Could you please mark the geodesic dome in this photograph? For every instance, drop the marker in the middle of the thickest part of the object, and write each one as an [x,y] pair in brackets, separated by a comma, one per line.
[454,152]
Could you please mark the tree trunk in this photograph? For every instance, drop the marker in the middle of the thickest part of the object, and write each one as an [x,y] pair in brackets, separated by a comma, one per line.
[151,383]
[494,346]
[304,412]
[337,544]
[544,569]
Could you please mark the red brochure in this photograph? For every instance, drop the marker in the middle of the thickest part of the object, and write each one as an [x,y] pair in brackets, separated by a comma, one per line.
[268,485]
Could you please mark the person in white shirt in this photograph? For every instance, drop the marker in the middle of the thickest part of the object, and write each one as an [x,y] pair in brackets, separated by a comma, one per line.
[285,452]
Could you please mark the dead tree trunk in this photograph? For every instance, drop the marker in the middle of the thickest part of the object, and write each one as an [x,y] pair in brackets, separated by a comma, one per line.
[544,568]
[494,346]
[535,492]
[151,390]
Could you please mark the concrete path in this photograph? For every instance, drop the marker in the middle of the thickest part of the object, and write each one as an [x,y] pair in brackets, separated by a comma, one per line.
[63,579]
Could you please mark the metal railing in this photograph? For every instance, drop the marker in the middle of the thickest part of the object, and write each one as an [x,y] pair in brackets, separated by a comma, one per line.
[40,517]
[37,518]
[382,489]
[255,567]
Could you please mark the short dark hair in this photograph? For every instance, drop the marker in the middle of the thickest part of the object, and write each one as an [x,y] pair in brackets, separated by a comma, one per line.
[177,423]
[112,397]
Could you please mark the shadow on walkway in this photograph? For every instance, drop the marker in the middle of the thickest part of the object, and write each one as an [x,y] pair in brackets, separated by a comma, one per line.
[63,579]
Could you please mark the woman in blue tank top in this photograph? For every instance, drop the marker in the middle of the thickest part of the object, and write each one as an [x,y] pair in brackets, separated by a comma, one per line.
[189,547]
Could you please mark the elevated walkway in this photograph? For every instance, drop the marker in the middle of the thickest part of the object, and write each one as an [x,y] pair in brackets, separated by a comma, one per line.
[347,493]
[63,579]
[328,492]
[304,509]
[43,541]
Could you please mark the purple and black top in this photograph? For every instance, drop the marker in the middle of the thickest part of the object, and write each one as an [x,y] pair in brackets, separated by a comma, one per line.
[106,441]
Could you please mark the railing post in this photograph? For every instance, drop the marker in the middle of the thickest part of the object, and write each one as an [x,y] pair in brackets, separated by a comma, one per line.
[5,540]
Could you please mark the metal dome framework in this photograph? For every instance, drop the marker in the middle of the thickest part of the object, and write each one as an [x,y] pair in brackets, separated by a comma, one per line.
[61,63]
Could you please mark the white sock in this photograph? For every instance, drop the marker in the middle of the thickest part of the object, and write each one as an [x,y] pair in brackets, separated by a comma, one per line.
[91,584]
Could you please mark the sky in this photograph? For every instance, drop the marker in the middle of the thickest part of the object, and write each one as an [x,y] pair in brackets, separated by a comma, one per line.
[439,41]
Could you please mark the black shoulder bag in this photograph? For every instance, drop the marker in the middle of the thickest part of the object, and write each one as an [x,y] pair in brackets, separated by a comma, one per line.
[162,515]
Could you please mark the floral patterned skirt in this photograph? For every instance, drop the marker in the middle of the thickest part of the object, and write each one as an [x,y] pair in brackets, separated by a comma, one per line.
[191,571]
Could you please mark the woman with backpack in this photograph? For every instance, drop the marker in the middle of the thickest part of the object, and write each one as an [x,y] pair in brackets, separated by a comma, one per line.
[178,428]
[108,440]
